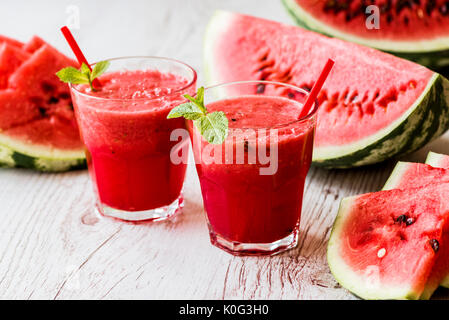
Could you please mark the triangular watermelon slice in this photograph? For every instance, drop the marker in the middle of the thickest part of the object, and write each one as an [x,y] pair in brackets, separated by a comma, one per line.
[408,175]
[11,57]
[34,44]
[391,244]
[373,106]
[37,124]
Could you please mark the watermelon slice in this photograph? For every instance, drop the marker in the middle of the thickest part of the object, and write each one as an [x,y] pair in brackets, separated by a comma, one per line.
[34,44]
[416,30]
[373,106]
[37,124]
[391,244]
[11,57]
[10,41]
[438,160]
[414,175]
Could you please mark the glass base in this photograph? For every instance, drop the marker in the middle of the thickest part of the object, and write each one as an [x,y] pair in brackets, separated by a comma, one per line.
[153,215]
[255,249]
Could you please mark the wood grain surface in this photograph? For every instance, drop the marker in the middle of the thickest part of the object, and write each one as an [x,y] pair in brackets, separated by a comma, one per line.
[53,245]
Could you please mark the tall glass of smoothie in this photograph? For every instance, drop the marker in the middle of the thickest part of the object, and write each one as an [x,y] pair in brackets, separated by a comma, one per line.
[127,136]
[253,183]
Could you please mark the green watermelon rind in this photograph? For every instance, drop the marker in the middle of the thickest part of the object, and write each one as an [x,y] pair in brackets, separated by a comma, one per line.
[14,153]
[432,53]
[424,121]
[350,279]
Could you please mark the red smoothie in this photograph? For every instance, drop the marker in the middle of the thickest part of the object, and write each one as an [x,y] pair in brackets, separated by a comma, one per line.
[243,205]
[127,137]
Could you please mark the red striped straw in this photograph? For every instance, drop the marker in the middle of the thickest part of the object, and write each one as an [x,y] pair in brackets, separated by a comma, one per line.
[77,51]
[316,88]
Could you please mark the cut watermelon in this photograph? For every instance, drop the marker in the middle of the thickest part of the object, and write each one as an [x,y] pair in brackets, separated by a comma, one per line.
[373,106]
[416,30]
[417,175]
[37,124]
[11,57]
[412,175]
[390,244]
[438,160]
[34,44]
[10,41]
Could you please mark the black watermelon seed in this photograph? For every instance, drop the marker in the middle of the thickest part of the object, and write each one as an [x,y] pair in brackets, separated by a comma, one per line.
[260,88]
[435,244]
[42,111]
[246,145]
[402,218]
[409,221]
[53,100]
[233,119]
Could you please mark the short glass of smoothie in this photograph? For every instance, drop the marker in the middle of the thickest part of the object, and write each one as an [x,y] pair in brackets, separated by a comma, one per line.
[127,136]
[253,183]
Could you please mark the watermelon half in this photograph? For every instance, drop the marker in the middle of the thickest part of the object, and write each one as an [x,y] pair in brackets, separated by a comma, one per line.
[38,129]
[416,30]
[392,244]
[373,106]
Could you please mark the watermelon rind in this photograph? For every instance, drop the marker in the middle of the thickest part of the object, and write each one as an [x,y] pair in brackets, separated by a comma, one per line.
[426,119]
[396,175]
[15,153]
[434,159]
[352,281]
[432,53]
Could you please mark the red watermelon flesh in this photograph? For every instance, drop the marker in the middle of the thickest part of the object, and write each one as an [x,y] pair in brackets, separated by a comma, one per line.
[398,19]
[34,44]
[52,131]
[413,175]
[16,108]
[11,41]
[375,253]
[11,57]
[357,101]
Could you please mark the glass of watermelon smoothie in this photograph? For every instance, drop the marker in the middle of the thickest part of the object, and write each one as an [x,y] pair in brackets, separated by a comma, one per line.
[127,136]
[252,184]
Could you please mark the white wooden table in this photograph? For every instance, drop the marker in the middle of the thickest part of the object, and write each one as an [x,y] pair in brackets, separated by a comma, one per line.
[53,246]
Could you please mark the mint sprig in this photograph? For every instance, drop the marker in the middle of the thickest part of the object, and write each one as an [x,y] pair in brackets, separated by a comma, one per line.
[83,75]
[212,126]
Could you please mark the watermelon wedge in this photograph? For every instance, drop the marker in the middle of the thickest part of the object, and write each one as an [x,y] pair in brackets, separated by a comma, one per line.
[373,106]
[38,129]
[438,160]
[391,244]
[416,30]
[417,175]
[11,57]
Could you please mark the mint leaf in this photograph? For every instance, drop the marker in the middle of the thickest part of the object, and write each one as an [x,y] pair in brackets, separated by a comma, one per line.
[83,75]
[187,110]
[72,75]
[212,126]
[99,69]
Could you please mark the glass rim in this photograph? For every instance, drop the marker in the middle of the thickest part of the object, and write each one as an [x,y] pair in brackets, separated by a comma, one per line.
[175,61]
[308,116]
